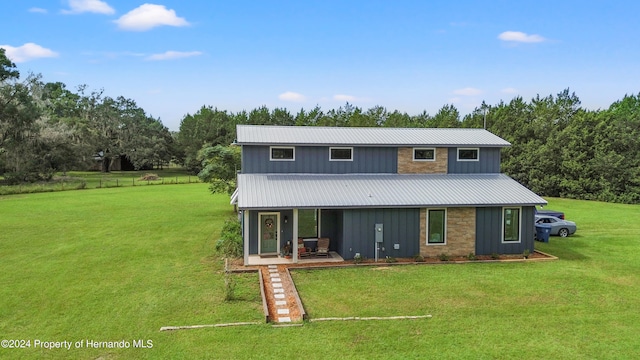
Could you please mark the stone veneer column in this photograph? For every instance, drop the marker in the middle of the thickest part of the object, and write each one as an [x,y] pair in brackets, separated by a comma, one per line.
[406,164]
[461,233]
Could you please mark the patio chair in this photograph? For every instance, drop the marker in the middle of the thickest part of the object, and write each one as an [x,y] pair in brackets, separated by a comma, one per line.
[323,247]
[302,250]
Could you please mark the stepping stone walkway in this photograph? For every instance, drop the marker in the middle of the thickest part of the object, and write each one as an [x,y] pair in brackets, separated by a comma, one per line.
[280,295]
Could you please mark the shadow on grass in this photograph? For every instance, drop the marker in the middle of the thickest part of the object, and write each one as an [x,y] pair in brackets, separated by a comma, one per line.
[566,248]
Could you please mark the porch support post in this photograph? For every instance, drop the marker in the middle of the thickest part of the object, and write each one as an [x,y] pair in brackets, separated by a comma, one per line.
[295,236]
[245,232]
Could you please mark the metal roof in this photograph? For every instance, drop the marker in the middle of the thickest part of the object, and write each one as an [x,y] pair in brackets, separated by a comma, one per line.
[370,136]
[276,191]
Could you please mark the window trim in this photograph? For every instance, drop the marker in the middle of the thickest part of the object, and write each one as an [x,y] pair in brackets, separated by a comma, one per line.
[445,227]
[350,148]
[271,148]
[476,149]
[414,154]
[502,230]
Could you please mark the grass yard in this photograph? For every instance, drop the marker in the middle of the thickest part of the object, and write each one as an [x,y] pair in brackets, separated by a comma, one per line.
[117,264]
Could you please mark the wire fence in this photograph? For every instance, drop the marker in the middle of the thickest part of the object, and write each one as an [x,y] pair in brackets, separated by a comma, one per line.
[78,183]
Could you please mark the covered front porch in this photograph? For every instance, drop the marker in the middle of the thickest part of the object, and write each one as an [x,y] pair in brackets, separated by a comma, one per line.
[289,236]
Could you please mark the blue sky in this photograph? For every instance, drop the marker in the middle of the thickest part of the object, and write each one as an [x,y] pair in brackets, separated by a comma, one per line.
[172,57]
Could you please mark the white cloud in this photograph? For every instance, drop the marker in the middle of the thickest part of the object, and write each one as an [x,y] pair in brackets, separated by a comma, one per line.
[170,55]
[341,97]
[518,36]
[291,96]
[91,6]
[509,90]
[148,16]
[26,52]
[38,10]
[468,91]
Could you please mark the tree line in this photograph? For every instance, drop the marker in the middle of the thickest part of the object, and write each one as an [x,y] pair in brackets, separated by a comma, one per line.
[558,148]
[46,128]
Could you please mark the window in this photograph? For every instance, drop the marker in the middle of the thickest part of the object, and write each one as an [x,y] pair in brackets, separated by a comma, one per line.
[341,154]
[279,153]
[308,223]
[436,226]
[511,225]
[426,154]
[468,154]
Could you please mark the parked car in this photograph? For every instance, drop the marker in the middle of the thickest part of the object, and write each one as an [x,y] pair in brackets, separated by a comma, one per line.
[559,227]
[558,214]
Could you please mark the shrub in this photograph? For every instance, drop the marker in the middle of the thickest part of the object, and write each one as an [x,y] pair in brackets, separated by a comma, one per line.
[495,256]
[230,242]
[472,256]
[358,259]
[390,259]
[526,253]
[229,286]
[418,258]
[444,257]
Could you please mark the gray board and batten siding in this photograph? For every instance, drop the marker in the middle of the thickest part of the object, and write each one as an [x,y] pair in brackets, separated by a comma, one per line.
[400,226]
[315,160]
[352,231]
[366,160]
[488,162]
[489,229]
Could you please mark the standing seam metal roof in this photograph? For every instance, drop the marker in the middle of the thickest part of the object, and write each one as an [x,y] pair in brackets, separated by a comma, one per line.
[371,136]
[272,191]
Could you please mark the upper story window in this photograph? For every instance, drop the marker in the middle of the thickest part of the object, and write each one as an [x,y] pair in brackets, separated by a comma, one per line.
[340,154]
[282,153]
[468,154]
[424,154]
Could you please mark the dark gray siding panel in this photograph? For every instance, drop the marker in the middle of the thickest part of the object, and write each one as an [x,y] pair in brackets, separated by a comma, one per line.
[253,232]
[489,162]
[489,232]
[315,160]
[401,226]
[331,226]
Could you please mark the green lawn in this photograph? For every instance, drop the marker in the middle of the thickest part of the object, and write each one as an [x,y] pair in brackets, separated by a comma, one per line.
[117,264]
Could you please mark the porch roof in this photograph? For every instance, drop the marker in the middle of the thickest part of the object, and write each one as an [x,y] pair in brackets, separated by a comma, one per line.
[286,191]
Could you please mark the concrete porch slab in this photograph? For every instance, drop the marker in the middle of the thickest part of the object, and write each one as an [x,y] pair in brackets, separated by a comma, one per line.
[273,262]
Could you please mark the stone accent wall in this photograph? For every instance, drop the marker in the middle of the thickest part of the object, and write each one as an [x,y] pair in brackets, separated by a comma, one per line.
[406,165]
[461,233]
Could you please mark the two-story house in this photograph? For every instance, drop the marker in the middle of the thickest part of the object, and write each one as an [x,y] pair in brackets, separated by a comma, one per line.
[380,192]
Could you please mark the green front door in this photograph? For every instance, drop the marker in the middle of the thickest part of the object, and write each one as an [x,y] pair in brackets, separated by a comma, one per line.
[269,224]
